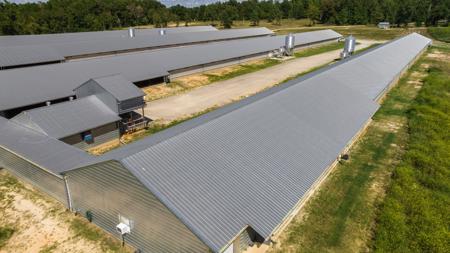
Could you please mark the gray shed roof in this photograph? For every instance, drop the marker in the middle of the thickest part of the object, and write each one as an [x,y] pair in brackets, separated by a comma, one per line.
[68,118]
[60,38]
[49,153]
[14,56]
[119,87]
[101,45]
[55,81]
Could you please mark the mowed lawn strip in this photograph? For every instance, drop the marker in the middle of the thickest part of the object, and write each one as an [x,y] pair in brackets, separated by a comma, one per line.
[341,215]
[415,216]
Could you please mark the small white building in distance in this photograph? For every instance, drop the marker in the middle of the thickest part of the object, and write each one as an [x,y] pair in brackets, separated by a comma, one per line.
[384,25]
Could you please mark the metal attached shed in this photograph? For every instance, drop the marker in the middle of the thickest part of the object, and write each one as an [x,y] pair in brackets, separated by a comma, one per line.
[119,94]
[69,121]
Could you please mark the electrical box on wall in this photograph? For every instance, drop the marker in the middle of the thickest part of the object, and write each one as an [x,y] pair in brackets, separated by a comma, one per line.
[125,225]
[123,229]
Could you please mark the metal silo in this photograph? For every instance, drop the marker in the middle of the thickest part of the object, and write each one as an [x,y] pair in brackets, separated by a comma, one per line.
[349,47]
[131,33]
[289,44]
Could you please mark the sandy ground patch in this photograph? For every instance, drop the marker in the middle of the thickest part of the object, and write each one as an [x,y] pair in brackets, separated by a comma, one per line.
[39,222]
[185,83]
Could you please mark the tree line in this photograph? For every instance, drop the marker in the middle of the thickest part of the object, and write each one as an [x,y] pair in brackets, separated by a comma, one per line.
[90,15]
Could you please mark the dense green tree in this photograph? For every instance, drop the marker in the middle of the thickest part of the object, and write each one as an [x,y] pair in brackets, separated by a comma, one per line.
[313,13]
[88,15]
[254,17]
[228,15]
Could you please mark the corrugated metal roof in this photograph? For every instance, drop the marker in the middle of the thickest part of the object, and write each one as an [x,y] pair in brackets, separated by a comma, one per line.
[14,56]
[104,45]
[251,162]
[119,87]
[55,81]
[49,153]
[44,39]
[379,67]
[68,118]
[252,165]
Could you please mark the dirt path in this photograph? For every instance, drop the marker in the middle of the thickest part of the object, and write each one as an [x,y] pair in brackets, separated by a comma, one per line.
[223,92]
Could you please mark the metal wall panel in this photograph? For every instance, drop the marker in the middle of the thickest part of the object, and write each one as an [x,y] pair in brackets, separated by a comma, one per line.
[47,182]
[108,190]
[244,240]
[101,135]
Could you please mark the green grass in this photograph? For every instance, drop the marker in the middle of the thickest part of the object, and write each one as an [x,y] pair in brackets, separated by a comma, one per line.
[319,50]
[340,217]
[5,234]
[242,70]
[440,33]
[415,216]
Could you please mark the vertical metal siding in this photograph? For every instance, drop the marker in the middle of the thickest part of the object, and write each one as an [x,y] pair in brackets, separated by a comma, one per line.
[101,135]
[244,240]
[108,190]
[100,139]
[45,181]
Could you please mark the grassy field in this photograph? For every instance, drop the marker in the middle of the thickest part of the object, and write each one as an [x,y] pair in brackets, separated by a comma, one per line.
[440,33]
[415,216]
[319,50]
[262,23]
[243,69]
[341,217]
[359,31]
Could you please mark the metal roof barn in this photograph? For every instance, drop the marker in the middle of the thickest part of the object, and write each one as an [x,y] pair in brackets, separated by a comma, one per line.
[68,118]
[246,164]
[210,170]
[55,38]
[50,82]
[95,46]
